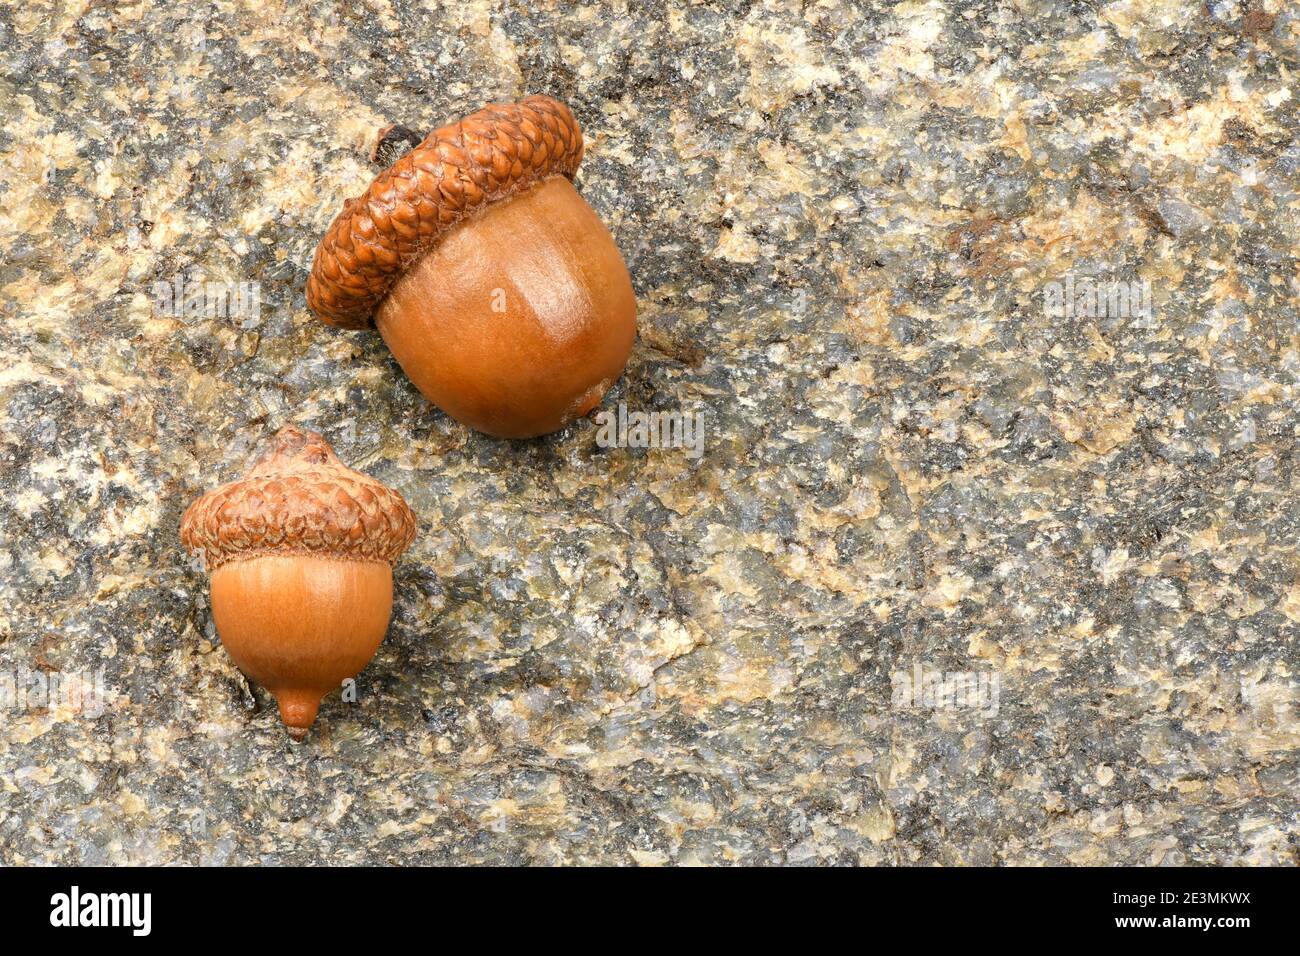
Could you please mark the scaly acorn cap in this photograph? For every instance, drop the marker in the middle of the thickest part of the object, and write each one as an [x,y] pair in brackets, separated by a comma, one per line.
[458,170]
[299,499]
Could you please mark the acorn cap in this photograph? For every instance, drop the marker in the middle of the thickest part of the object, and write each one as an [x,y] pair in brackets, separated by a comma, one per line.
[299,499]
[458,170]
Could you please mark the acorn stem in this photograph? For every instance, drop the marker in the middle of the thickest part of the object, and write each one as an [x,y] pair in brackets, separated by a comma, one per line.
[394,141]
[298,711]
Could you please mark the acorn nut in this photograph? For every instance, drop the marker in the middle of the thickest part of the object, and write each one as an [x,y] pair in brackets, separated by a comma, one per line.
[497,288]
[300,552]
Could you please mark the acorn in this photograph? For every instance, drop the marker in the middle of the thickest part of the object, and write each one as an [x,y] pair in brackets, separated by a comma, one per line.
[496,287]
[301,553]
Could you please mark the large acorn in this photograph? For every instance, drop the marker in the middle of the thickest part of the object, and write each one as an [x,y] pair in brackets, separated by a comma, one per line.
[497,288]
[300,552]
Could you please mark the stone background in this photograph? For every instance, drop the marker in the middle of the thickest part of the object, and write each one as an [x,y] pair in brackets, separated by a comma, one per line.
[840,219]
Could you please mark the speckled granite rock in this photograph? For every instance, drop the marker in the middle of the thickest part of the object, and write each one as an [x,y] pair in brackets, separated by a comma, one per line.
[840,218]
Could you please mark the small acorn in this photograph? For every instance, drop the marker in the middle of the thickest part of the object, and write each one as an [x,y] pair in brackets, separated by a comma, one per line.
[497,288]
[300,552]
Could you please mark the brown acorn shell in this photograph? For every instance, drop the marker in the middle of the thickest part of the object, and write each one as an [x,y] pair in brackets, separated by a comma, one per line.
[299,498]
[458,170]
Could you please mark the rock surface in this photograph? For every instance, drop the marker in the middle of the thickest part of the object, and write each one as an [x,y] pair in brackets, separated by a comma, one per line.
[844,221]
